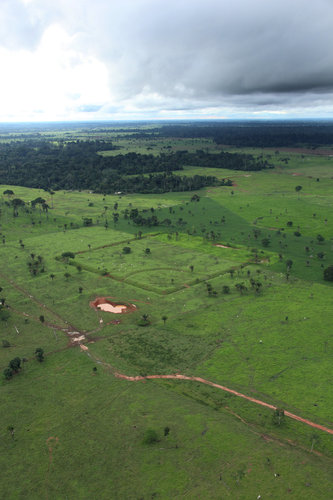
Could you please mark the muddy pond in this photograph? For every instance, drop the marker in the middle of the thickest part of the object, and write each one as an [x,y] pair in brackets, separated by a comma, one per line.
[104,304]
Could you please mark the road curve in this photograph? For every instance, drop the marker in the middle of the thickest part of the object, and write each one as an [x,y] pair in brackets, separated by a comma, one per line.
[226,389]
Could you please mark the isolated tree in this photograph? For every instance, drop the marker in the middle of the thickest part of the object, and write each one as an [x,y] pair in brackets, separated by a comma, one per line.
[226,289]
[265,242]
[11,429]
[147,251]
[39,354]
[298,189]
[191,268]
[289,264]
[16,203]
[164,318]
[278,416]
[67,276]
[144,321]
[127,250]
[166,431]
[115,218]
[41,318]
[8,192]
[320,238]
[15,364]
[80,289]
[52,276]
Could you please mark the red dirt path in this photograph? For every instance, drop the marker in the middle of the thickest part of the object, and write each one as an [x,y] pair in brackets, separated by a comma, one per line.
[223,388]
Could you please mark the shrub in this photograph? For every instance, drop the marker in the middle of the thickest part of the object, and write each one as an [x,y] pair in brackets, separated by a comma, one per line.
[150,437]
[328,273]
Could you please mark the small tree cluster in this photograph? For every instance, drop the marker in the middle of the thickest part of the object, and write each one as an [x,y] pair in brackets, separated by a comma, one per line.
[36,265]
[210,290]
[14,366]
[256,285]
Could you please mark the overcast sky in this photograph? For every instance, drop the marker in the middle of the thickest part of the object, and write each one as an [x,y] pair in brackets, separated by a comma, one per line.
[143,59]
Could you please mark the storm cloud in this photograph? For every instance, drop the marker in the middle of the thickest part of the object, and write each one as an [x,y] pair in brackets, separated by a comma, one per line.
[250,55]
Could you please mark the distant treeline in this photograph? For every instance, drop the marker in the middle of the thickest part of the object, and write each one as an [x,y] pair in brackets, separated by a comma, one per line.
[77,165]
[232,161]
[255,134]
[245,134]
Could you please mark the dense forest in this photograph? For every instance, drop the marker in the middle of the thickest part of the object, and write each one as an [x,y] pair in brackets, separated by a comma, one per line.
[77,164]
[256,134]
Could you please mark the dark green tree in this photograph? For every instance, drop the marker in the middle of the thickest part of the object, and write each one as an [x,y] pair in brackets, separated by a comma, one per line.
[39,354]
[8,373]
[15,364]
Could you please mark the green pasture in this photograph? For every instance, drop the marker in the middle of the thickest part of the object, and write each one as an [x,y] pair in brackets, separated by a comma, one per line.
[80,435]
[274,344]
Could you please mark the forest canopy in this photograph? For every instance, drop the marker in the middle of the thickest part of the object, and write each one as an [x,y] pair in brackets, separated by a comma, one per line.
[40,163]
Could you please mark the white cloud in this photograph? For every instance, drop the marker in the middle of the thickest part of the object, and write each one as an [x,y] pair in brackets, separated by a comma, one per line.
[53,82]
[109,58]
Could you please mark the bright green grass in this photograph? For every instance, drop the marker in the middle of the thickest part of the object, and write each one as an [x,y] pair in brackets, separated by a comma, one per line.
[217,338]
[99,451]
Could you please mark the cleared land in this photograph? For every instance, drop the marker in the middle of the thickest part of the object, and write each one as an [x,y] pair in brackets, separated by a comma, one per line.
[79,430]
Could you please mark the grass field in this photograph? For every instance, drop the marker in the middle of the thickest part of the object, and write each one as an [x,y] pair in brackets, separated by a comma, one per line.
[78,432]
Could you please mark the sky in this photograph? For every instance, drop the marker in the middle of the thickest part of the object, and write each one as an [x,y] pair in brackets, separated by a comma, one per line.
[165,59]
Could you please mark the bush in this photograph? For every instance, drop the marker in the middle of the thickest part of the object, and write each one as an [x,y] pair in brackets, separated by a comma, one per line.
[328,273]
[4,314]
[8,373]
[150,437]
[68,255]
[143,322]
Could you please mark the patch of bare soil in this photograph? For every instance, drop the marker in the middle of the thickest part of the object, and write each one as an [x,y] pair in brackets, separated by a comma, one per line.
[221,246]
[103,304]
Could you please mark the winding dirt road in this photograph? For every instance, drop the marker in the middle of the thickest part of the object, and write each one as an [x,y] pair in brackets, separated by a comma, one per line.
[226,389]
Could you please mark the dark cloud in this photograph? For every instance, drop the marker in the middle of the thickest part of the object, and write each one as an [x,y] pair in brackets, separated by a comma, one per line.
[192,53]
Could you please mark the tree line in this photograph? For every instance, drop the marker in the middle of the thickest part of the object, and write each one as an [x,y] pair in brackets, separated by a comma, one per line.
[78,165]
